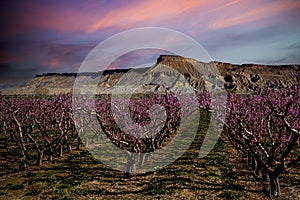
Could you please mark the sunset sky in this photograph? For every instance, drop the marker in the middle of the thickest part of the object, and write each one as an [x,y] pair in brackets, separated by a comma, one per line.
[56,36]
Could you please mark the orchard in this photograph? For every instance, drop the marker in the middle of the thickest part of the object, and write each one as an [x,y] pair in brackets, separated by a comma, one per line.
[263,127]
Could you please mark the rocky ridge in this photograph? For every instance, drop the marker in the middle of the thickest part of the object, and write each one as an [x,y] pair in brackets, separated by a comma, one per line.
[240,78]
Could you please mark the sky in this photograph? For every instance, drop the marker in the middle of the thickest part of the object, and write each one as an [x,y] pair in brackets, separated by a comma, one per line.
[55,36]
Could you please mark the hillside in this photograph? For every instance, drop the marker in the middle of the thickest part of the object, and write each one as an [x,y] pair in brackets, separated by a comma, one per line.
[240,78]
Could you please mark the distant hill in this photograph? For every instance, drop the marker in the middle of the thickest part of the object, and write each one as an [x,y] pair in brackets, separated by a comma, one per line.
[239,78]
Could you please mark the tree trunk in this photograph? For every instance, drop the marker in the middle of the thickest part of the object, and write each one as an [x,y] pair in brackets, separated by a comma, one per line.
[249,159]
[23,162]
[40,159]
[274,185]
[23,153]
[258,168]
[131,163]
[51,154]
[50,157]
[69,147]
[142,159]
[6,141]
[243,157]
[78,143]
[87,142]
[254,164]
[264,180]
[60,150]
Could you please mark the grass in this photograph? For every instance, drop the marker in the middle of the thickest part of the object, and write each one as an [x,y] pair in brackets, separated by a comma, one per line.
[33,192]
[231,195]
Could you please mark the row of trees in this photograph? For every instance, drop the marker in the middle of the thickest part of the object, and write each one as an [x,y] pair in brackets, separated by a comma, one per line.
[265,129]
[41,125]
[45,127]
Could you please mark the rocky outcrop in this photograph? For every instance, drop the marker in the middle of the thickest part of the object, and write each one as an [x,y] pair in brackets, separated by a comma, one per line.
[248,77]
[240,78]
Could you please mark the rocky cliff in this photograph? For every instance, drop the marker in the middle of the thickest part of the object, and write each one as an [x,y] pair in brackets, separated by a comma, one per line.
[247,77]
[239,78]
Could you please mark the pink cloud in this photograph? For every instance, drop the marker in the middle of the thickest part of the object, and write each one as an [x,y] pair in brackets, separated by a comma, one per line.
[95,16]
[253,11]
[225,5]
[150,12]
[191,16]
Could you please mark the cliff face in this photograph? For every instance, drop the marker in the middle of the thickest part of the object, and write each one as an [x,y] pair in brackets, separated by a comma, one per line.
[239,78]
[248,77]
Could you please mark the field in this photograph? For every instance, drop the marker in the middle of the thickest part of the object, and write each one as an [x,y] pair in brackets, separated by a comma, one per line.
[77,175]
